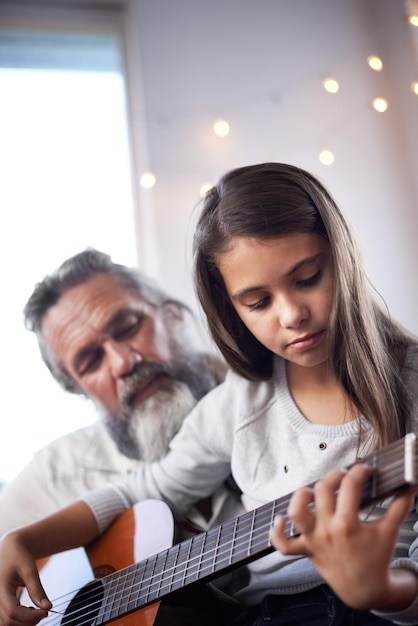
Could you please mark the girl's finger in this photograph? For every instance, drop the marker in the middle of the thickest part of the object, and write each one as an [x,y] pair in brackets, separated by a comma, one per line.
[350,492]
[325,490]
[284,543]
[300,511]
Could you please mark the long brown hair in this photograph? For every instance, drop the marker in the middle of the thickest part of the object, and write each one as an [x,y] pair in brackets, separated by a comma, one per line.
[275,199]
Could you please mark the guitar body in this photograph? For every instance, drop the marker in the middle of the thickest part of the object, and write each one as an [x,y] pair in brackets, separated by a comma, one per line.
[143,530]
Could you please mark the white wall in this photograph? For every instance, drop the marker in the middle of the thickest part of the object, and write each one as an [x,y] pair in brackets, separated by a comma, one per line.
[260,65]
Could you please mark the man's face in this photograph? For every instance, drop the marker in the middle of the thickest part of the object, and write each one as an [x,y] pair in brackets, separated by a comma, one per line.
[138,363]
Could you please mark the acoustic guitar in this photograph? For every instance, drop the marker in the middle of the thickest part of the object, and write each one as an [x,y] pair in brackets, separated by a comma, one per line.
[126,572]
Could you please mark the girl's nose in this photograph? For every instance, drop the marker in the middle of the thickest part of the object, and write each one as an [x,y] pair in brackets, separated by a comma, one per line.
[291,312]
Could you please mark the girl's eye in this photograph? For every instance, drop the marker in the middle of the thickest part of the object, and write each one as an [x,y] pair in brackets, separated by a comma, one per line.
[261,304]
[312,280]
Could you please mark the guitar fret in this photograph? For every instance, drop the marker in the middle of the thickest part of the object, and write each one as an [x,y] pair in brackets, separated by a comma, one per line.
[144,594]
[251,532]
[131,584]
[171,566]
[223,548]
[109,596]
[118,596]
[244,526]
[138,575]
[214,554]
[213,539]
[158,576]
[234,536]
[207,563]
[121,592]
[195,551]
[201,555]
[180,572]
[261,532]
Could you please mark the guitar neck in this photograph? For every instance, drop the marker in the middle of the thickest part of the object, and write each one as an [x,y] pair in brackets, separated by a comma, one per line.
[238,541]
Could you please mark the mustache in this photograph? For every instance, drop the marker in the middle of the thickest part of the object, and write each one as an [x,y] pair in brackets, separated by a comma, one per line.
[141,373]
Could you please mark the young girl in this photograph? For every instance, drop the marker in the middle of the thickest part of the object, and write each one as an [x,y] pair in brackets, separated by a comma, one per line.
[320,377]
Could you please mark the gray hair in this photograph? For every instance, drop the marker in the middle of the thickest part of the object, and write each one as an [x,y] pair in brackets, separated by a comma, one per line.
[75,271]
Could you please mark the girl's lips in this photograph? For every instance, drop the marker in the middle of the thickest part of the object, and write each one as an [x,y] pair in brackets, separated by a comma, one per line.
[309,341]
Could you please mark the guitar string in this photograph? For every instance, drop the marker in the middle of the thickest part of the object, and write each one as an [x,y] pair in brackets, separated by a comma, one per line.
[119,592]
[249,513]
[189,565]
[278,507]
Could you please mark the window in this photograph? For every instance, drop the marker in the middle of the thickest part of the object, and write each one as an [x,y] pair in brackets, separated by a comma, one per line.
[65,171]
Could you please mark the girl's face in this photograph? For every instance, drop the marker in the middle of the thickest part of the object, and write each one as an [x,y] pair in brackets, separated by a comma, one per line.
[282,289]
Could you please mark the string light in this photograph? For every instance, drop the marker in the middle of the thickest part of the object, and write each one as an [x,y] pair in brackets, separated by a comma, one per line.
[204,189]
[331,85]
[221,128]
[380,104]
[147,180]
[413,20]
[375,63]
[326,157]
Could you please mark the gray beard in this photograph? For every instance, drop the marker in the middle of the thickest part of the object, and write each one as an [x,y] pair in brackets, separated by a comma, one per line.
[146,433]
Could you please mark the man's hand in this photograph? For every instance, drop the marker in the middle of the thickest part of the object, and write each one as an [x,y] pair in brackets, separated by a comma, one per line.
[353,556]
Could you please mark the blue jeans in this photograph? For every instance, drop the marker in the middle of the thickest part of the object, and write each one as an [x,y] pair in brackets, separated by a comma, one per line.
[317,607]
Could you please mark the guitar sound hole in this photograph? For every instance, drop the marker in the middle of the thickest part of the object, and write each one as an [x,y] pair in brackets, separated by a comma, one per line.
[84,607]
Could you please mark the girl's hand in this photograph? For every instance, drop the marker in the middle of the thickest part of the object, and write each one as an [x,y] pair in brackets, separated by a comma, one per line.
[353,556]
[18,569]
